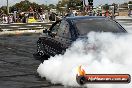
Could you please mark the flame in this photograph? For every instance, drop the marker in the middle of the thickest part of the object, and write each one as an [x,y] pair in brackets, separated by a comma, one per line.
[81,71]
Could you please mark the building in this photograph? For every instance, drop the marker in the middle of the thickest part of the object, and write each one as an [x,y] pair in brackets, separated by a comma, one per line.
[123,9]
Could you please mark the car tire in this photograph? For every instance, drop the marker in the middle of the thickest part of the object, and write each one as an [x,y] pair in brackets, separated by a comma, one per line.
[37,56]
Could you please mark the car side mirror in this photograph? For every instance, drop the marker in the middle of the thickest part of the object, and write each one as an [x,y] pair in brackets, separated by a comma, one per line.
[52,34]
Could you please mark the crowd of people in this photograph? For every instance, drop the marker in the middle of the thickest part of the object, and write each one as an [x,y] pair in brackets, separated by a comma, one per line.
[28,16]
[25,17]
[43,16]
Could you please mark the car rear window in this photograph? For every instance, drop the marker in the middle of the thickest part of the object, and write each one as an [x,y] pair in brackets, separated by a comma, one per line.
[98,25]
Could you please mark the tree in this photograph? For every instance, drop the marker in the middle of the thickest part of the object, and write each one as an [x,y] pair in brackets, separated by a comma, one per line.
[60,4]
[52,6]
[72,4]
[24,6]
[44,7]
[130,2]
[106,7]
[3,9]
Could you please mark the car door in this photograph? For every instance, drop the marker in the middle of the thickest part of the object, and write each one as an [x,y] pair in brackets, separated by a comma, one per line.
[63,36]
[58,39]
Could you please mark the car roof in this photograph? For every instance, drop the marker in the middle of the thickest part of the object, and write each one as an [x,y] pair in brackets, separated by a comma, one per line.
[78,18]
[85,17]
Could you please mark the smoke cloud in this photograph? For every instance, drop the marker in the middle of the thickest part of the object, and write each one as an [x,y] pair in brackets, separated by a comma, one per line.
[99,53]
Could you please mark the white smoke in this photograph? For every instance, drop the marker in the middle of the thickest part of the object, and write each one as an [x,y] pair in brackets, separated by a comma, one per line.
[101,53]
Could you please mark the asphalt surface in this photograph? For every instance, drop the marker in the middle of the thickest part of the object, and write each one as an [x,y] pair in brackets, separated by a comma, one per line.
[17,65]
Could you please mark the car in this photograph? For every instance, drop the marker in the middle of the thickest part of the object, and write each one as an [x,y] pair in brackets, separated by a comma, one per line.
[64,32]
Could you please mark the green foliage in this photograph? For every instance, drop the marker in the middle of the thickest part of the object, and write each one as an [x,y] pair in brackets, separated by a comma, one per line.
[106,7]
[52,6]
[23,6]
[130,2]
[90,0]
[45,7]
[74,4]
[62,5]
[69,4]
[3,9]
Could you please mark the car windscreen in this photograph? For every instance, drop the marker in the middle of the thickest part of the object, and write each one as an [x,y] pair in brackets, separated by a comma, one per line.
[98,25]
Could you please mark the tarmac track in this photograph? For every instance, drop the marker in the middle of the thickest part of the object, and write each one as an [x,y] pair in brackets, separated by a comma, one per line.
[17,65]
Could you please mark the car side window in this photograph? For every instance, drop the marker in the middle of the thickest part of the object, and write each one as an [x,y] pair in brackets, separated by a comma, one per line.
[63,30]
[55,28]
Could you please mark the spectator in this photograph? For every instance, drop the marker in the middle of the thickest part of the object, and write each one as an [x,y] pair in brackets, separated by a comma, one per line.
[10,19]
[43,17]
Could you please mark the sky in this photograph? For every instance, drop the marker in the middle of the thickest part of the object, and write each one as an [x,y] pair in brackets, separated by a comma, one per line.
[96,2]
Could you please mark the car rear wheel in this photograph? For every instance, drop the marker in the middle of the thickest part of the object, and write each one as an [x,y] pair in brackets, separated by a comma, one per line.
[41,57]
